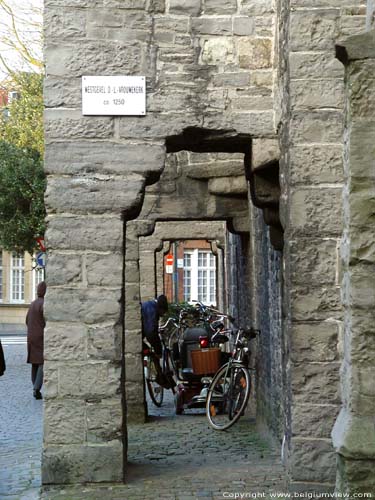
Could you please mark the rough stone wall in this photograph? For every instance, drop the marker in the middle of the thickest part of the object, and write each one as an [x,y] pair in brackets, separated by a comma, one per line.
[354,432]
[208,64]
[311,111]
[270,355]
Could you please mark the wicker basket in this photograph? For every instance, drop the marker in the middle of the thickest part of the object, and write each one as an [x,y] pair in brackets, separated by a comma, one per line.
[205,361]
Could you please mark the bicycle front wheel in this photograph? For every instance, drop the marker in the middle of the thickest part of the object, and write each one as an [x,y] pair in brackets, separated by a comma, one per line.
[155,390]
[227,396]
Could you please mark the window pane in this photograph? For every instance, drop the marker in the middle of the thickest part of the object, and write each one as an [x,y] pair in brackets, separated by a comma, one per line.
[187,285]
[18,277]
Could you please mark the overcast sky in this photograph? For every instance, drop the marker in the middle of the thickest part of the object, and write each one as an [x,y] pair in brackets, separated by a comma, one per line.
[28,13]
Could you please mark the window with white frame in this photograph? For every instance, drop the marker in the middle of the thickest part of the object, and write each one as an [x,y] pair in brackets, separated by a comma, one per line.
[200,276]
[38,277]
[187,276]
[17,277]
[1,275]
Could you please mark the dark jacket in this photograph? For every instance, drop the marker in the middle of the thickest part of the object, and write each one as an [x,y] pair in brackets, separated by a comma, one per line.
[35,327]
[2,360]
[150,324]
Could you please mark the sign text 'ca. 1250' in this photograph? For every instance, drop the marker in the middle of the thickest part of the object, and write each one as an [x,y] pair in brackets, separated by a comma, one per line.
[114,95]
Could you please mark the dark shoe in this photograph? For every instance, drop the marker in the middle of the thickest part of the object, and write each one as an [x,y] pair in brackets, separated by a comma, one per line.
[38,394]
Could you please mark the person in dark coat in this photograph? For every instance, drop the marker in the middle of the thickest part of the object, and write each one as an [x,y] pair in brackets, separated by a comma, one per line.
[2,361]
[35,337]
[151,311]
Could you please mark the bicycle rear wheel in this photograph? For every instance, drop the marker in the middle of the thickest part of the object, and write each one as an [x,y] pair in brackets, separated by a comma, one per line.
[227,396]
[155,390]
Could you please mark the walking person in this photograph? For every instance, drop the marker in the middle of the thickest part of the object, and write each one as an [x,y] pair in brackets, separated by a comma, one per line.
[2,360]
[35,337]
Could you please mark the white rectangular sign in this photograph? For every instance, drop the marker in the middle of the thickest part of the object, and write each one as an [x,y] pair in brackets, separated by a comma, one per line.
[114,95]
[169,269]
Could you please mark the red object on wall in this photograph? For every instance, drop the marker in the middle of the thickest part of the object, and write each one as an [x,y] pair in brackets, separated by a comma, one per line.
[169,259]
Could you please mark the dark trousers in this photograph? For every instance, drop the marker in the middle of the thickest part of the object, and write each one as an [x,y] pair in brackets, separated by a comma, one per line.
[37,376]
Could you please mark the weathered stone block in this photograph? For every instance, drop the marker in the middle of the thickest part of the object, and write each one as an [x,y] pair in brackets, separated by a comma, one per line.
[313,420]
[104,342]
[219,7]
[354,435]
[79,463]
[315,303]
[228,186]
[94,194]
[133,367]
[90,380]
[72,61]
[104,269]
[314,260]
[256,7]
[362,202]
[316,127]
[355,476]
[85,233]
[217,169]
[306,453]
[362,338]
[243,26]
[50,380]
[133,340]
[312,65]
[64,23]
[211,26]
[264,151]
[315,342]
[255,53]
[63,268]
[316,211]
[313,30]
[186,8]
[316,164]
[316,383]
[65,341]
[84,305]
[257,124]
[362,148]
[71,124]
[104,158]
[361,294]
[215,51]
[104,421]
[315,94]
[65,422]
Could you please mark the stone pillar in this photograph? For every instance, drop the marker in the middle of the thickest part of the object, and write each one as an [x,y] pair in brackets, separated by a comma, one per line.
[134,384]
[354,431]
[311,176]
[83,392]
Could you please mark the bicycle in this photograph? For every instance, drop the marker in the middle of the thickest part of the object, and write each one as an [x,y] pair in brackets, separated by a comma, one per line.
[153,372]
[230,388]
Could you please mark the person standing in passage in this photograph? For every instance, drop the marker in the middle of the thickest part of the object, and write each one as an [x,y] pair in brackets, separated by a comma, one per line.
[35,337]
[2,361]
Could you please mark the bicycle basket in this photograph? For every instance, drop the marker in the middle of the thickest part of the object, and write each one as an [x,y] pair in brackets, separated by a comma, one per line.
[205,361]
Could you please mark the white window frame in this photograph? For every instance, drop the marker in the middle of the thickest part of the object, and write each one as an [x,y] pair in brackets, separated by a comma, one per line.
[21,278]
[194,275]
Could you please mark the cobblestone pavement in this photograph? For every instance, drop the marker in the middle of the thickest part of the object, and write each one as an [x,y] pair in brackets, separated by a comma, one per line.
[181,458]
[170,457]
[20,426]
